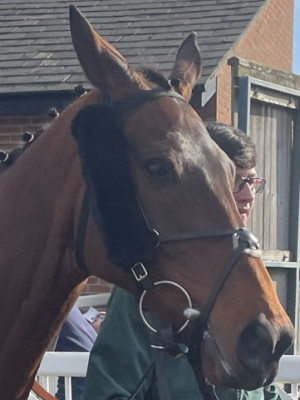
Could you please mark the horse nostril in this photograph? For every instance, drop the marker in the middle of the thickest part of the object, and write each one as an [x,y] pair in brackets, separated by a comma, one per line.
[255,344]
[285,341]
[260,344]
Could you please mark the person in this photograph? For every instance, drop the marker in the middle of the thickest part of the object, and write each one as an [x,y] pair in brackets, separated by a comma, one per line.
[95,318]
[122,363]
[78,333]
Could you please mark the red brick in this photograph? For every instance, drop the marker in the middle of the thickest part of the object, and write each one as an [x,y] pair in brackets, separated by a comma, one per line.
[267,41]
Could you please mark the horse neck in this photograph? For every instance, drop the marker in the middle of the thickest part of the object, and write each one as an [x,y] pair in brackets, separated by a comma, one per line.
[39,195]
[39,279]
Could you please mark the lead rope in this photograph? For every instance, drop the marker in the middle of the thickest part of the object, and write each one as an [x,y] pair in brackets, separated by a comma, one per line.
[161,382]
[158,378]
[140,385]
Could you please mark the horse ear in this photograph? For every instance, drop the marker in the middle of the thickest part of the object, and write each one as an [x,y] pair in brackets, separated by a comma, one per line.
[103,65]
[187,67]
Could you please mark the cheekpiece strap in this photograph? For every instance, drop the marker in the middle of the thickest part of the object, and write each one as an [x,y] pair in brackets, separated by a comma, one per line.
[81,232]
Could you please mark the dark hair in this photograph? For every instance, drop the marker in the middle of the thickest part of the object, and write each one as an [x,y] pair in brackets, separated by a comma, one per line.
[235,143]
[154,77]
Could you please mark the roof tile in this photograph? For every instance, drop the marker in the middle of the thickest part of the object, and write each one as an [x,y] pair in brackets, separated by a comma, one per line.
[36,53]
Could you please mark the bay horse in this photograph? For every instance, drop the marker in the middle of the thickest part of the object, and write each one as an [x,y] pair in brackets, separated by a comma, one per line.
[126,184]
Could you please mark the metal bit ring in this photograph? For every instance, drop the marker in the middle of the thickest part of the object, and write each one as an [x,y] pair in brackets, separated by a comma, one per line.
[164,283]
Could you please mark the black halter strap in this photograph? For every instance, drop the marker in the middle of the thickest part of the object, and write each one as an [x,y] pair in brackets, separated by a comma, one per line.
[242,239]
[245,240]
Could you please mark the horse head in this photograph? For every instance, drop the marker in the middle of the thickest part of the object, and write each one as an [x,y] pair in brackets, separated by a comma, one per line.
[160,194]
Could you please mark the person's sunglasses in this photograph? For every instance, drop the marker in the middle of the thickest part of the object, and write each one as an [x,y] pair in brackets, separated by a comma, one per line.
[256,184]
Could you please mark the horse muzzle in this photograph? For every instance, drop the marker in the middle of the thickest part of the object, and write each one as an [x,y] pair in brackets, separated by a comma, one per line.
[259,348]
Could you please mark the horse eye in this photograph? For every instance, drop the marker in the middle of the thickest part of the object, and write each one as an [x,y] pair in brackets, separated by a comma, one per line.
[157,168]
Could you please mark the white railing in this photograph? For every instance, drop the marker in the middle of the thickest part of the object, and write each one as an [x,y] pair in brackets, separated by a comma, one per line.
[66,364]
[99,299]
[289,373]
[69,365]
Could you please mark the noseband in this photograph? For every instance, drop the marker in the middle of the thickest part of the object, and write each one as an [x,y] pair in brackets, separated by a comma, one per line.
[242,239]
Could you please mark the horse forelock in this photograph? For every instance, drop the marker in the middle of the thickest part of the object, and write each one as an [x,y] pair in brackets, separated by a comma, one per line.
[152,77]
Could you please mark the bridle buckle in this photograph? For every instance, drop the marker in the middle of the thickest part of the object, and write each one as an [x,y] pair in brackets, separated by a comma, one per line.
[245,236]
[139,271]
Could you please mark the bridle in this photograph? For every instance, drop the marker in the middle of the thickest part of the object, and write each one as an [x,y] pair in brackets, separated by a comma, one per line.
[242,239]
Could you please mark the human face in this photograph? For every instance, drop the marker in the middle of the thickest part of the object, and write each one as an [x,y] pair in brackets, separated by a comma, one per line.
[245,198]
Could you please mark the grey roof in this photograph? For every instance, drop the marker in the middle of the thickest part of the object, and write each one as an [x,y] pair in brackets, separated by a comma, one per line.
[36,53]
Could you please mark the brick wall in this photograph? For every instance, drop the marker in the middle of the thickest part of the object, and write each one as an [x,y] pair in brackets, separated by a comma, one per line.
[97,285]
[224,98]
[12,128]
[208,112]
[267,41]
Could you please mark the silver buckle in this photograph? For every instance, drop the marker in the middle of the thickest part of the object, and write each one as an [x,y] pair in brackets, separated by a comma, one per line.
[139,271]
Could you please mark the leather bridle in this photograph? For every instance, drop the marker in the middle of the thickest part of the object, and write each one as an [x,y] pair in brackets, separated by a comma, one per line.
[242,240]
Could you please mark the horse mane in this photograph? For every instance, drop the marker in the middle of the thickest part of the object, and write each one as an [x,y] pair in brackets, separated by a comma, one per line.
[154,77]
[8,159]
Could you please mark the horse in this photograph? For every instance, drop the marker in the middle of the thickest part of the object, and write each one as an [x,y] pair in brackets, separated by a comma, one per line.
[126,184]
